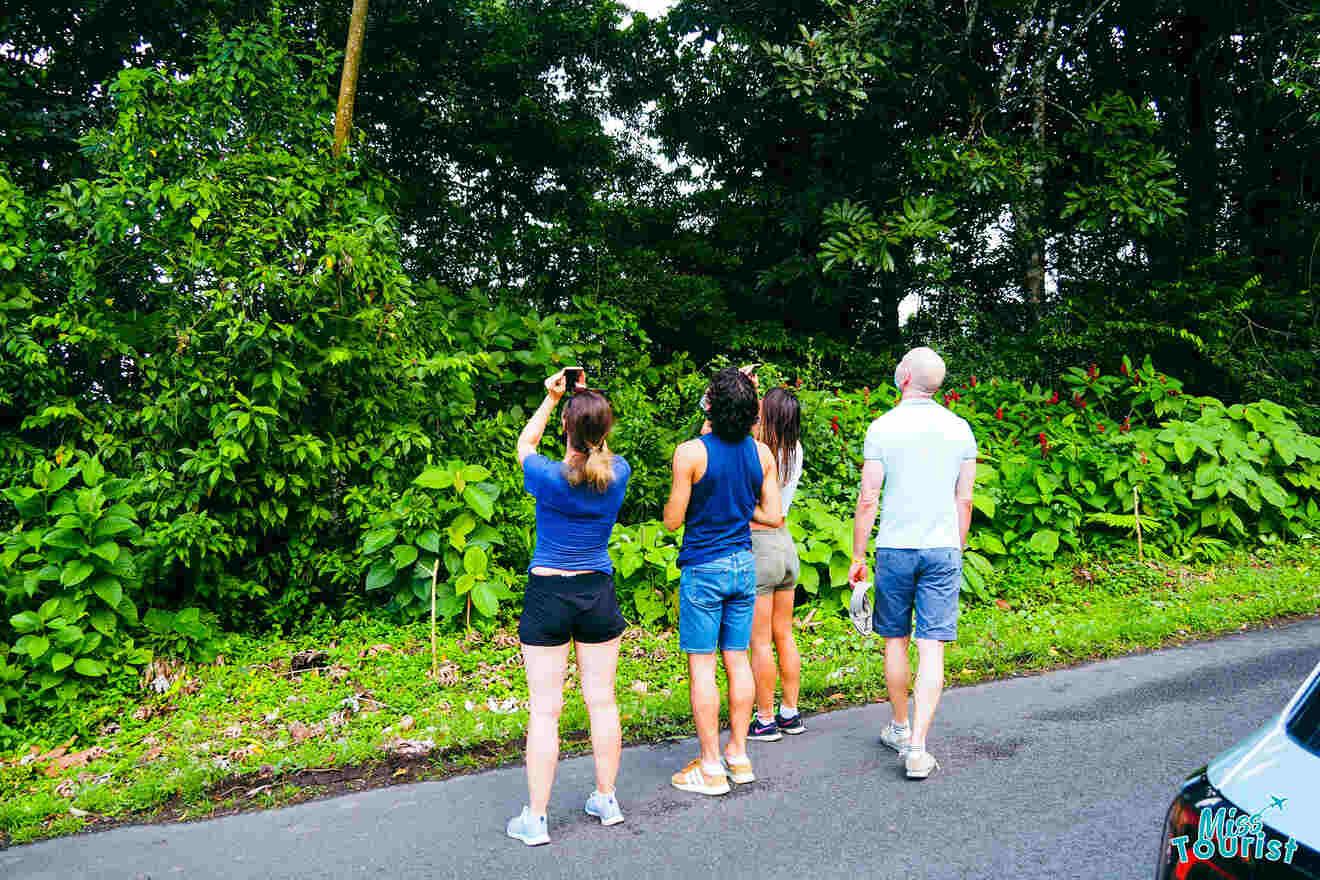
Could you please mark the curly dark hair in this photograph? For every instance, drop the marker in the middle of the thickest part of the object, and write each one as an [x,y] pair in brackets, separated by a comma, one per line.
[733,405]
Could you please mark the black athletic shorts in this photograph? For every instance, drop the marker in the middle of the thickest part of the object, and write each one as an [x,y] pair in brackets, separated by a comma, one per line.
[581,607]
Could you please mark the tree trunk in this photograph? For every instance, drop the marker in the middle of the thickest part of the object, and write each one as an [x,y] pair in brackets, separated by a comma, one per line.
[348,82]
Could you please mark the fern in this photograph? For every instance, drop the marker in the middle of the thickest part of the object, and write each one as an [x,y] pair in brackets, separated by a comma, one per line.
[1126,521]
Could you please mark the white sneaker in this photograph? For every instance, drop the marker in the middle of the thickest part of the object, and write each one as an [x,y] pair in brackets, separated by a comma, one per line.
[919,763]
[895,739]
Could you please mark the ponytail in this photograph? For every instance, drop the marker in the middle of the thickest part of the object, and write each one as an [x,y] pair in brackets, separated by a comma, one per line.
[597,469]
[588,419]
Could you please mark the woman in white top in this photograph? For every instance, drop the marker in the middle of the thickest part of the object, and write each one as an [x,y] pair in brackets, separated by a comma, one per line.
[777,570]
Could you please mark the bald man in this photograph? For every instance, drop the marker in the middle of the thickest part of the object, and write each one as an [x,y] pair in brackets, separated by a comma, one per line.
[924,459]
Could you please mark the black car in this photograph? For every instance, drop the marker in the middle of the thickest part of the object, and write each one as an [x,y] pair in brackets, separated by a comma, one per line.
[1253,813]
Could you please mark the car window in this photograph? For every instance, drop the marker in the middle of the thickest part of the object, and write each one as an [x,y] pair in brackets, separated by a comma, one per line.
[1304,725]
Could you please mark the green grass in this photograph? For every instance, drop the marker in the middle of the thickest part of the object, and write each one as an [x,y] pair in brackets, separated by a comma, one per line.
[241,735]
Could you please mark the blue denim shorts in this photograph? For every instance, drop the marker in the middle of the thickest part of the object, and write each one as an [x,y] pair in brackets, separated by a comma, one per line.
[716,601]
[926,581]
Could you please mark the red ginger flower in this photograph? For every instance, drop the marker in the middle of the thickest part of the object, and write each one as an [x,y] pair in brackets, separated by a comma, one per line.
[834,424]
[1144,459]
[1093,372]
[1123,369]
[1054,398]
[973,381]
[999,413]
[1125,427]
[1100,427]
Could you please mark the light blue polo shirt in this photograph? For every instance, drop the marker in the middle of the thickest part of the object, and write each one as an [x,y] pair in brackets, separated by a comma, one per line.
[922,447]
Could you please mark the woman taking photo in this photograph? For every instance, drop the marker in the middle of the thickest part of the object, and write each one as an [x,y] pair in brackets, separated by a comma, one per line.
[777,570]
[570,596]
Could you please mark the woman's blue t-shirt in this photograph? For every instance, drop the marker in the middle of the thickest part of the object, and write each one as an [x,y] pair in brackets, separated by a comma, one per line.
[573,523]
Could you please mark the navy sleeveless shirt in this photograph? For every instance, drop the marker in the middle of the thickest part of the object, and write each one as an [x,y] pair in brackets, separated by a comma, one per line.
[722,501]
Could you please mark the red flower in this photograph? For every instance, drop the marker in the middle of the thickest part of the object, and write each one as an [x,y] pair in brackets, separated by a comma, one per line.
[1054,398]
[1123,369]
[1100,427]
[1144,459]
[973,381]
[999,413]
[1044,444]
[1093,372]
[1125,427]
[1077,401]
[834,424]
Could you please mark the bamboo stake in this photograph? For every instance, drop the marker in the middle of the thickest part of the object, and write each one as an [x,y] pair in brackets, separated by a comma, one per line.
[357,26]
[1136,516]
[435,572]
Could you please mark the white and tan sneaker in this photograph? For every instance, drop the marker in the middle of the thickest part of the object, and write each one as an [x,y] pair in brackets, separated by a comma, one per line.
[695,779]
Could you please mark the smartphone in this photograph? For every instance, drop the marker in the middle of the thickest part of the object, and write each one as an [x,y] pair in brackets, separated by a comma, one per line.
[572,375]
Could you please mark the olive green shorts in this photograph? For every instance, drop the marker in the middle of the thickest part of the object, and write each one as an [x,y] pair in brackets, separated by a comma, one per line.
[777,563]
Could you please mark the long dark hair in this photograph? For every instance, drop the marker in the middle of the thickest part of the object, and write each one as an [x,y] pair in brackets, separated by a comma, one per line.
[781,423]
[588,419]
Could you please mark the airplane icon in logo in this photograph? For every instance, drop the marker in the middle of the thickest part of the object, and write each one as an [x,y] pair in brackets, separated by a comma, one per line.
[1275,802]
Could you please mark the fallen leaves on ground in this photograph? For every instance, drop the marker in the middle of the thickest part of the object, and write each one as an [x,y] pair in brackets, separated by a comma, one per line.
[410,748]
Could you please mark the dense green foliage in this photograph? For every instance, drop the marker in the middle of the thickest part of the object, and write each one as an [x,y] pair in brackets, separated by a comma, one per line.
[246,385]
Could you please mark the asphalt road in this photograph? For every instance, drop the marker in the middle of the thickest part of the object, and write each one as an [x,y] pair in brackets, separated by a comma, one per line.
[1060,775]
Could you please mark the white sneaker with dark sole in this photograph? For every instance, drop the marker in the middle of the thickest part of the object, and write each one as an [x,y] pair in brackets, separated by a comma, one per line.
[919,763]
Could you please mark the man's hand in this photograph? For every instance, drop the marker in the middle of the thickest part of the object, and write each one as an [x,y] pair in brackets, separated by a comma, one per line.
[857,573]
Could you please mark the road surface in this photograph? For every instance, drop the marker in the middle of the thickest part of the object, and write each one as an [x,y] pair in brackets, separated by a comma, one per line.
[1059,775]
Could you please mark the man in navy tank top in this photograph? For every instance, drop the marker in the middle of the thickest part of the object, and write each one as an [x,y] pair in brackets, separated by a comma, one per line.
[722,481]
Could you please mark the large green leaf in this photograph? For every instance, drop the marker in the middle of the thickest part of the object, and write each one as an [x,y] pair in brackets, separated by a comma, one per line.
[25,622]
[475,473]
[65,539]
[809,578]
[89,667]
[107,550]
[475,562]
[76,572]
[481,499]
[378,540]
[33,646]
[109,589]
[92,471]
[483,597]
[435,478]
[103,621]
[109,526]
[27,500]
[1045,543]
[429,541]
[60,661]
[380,575]
[404,555]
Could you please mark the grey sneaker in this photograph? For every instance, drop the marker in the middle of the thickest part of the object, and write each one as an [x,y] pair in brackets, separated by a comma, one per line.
[604,807]
[919,763]
[895,739]
[532,832]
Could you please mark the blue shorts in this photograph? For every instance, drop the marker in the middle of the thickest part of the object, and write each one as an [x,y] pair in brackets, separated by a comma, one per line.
[925,580]
[716,601]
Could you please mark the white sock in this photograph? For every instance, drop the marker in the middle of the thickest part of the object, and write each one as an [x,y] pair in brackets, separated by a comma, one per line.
[764,719]
[716,769]
[898,728]
[787,712]
[600,793]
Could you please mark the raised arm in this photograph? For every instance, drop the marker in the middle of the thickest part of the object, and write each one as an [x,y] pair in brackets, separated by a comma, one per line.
[680,490]
[530,438]
[769,511]
[868,502]
[962,494]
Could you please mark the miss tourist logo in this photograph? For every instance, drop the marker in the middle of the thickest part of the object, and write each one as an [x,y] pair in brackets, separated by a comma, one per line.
[1222,832]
